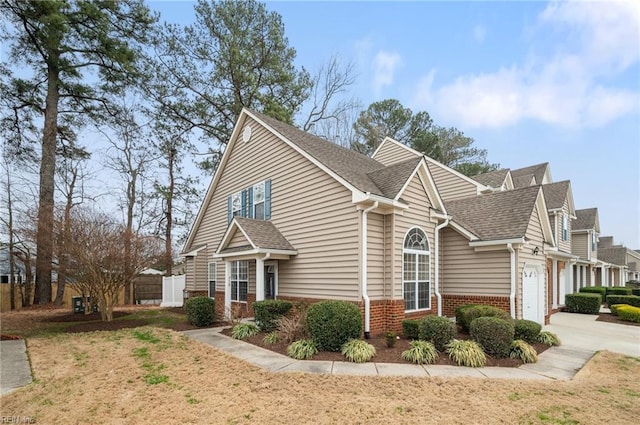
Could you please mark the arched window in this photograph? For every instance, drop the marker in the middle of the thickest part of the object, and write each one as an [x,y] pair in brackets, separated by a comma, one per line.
[416,270]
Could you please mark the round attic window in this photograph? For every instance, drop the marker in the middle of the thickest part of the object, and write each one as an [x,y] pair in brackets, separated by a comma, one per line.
[246,134]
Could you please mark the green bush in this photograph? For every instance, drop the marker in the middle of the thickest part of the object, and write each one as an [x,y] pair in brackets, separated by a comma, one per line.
[302,350]
[619,290]
[495,335]
[410,328]
[596,290]
[439,330]
[268,311]
[527,330]
[583,303]
[614,308]
[390,338]
[635,291]
[633,284]
[523,351]
[244,331]
[332,323]
[469,314]
[549,338]
[421,352]
[633,300]
[200,311]
[466,353]
[358,351]
[461,316]
[629,313]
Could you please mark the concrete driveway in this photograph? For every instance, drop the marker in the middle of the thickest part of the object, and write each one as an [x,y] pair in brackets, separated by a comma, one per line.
[582,331]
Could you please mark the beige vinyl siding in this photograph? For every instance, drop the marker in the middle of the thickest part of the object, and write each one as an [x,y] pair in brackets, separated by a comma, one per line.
[467,272]
[579,245]
[376,256]
[526,257]
[238,240]
[311,209]
[189,271]
[451,186]
[200,271]
[417,215]
[564,245]
[391,153]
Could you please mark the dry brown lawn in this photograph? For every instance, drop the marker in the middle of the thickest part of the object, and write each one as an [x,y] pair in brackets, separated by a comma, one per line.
[151,375]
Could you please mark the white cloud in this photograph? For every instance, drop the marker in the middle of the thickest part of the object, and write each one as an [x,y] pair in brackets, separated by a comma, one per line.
[384,67]
[568,87]
[479,33]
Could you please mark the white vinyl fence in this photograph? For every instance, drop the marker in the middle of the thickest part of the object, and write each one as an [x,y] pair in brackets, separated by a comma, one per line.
[172,288]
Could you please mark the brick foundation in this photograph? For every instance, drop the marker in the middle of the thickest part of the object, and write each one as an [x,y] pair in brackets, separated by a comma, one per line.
[451,302]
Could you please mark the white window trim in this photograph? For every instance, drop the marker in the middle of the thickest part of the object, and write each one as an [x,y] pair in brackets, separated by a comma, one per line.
[233,210]
[214,280]
[417,252]
[263,202]
[231,280]
[565,227]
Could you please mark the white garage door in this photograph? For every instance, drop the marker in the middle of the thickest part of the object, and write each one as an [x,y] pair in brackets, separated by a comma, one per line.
[532,306]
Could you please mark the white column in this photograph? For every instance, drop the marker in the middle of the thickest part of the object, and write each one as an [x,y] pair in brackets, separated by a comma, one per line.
[259,279]
[227,290]
[554,280]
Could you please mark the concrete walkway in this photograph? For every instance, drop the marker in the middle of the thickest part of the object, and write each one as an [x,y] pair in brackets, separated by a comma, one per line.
[15,371]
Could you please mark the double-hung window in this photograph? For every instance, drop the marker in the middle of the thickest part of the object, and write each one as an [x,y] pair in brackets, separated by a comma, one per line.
[565,227]
[251,202]
[416,270]
[239,280]
[212,280]
[258,201]
[236,204]
[593,242]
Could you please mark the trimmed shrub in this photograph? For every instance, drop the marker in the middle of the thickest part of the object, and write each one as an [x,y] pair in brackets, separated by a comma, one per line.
[527,330]
[583,303]
[495,335]
[596,290]
[358,351]
[633,300]
[267,312]
[619,290]
[410,328]
[244,331]
[390,338]
[200,311]
[523,351]
[461,316]
[332,323]
[466,353]
[549,338]
[614,308]
[629,313]
[635,291]
[439,330]
[468,315]
[302,350]
[421,352]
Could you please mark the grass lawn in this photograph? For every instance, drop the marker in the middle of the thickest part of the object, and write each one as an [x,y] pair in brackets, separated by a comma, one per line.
[152,375]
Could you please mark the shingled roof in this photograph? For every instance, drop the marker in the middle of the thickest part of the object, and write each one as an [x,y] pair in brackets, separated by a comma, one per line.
[495,216]
[262,234]
[492,178]
[555,194]
[523,181]
[614,255]
[537,170]
[392,179]
[585,219]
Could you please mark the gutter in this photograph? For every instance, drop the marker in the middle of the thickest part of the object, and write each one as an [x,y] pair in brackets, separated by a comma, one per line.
[437,269]
[365,296]
[512,294]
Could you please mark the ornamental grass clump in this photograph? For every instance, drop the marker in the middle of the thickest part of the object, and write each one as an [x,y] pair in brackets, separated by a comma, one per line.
[271,338]
[244,331]
[358,351]
[523,351]
[549,338]
[466,353]
[421,352]
[302,350]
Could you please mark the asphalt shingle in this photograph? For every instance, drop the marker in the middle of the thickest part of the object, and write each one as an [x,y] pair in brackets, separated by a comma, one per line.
[555,194]
[585,219]
[264,234]
[492,178]
[537,170]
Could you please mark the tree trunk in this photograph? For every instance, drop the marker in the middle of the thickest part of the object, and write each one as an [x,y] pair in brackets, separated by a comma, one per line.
[12,260]
[63,249]
[131,199]
[44,238]
[169,214]
[26,291]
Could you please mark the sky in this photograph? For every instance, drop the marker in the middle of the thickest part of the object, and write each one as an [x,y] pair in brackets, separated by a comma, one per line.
[531,82]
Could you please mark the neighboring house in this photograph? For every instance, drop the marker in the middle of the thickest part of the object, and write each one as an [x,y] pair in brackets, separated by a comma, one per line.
[633,264]
[584,244]
[532,175]
[289,215]
[561,210]
[19,272]
[615,270]
[498,180]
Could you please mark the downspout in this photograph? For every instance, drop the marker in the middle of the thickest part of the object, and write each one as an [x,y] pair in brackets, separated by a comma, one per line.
[512,294]
[365,295]
[437,270]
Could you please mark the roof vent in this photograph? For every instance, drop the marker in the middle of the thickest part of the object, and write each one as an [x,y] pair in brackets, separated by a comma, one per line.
[246,134]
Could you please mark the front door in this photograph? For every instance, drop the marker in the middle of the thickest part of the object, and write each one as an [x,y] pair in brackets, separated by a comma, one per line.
[270,282]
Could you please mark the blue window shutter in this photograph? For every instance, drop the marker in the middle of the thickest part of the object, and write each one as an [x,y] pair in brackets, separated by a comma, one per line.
[243,208]
[229,211]
[250,203]
[267,200]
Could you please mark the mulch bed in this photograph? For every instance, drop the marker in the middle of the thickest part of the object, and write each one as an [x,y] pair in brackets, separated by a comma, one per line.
[608,317]
[4,337]
[388,355]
